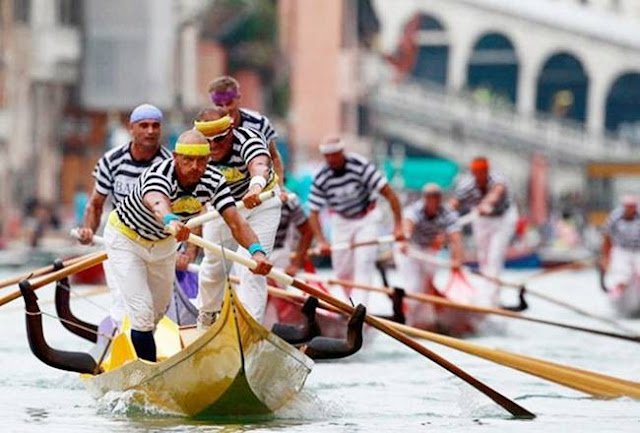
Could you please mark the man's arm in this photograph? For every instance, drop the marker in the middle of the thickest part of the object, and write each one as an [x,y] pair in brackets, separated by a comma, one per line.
[606,252]
[491,199]
[160,205]
[258,168]
[314,222]
[245,236]
[306,237]
[278,166]
[408,228]
[396,209]
[92,216]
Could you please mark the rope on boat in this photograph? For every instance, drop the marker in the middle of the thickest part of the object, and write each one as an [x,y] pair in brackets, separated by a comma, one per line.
[54,316]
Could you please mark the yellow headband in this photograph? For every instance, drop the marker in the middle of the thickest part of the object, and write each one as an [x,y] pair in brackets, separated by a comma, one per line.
[213,127]
[200,149]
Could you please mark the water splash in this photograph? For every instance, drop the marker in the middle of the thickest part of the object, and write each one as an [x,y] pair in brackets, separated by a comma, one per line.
[130,403]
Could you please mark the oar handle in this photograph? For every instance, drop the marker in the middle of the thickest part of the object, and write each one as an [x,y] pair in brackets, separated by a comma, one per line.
[342,246]
[468,218]
[97,240]
[213,214]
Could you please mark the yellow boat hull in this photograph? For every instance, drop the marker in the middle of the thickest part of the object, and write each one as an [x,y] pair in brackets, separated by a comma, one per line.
[236,368]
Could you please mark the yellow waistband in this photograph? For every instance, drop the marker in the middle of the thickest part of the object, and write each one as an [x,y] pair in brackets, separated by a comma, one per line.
[117,223]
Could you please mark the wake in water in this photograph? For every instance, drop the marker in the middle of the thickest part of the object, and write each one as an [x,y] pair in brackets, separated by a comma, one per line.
[130,403]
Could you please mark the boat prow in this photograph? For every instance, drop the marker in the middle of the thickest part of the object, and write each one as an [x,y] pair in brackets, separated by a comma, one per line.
[236,368]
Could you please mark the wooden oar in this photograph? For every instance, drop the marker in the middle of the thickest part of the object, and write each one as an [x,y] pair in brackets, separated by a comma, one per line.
[511,406]
[211,215]
[38,272]
[595,384]
[431,299]
[437,261]
[87,262]
[350,246]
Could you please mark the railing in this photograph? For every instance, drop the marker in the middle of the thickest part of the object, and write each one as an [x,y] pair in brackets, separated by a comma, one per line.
[459,115]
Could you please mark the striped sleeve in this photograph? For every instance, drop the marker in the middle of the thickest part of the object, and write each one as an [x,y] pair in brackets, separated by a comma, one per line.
[317,197]
[103,176]
[412,212]
[373,178]
[267,131]
[611,220]
[463,186]
[152,181]
[298,216]
[221,197]
[252,148]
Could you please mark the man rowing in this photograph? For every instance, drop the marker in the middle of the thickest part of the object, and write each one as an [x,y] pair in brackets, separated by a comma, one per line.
[143,253]
[242,156]
[427,224]
[621,246]
[485,191]
[115,175]
[225,92]
[349,186]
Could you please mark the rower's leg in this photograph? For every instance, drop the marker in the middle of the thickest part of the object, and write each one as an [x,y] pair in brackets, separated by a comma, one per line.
[365,257]
[161,276]
[252,290]
[129,269]
[117,309]
[342,231]
[211,278]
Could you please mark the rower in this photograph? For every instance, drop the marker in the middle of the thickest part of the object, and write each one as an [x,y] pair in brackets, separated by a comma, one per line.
[115,175]
[225,93]
[621,244]
[143,254]
[243,157]
[427,223]
[485,191]
[349,186]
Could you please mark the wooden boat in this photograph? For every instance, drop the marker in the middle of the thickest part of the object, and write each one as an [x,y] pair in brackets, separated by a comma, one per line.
[236,368]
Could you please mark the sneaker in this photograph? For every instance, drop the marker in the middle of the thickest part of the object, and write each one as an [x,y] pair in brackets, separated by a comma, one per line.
[206,319]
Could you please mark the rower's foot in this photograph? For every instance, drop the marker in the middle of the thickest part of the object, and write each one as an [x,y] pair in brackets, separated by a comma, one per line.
[205,320]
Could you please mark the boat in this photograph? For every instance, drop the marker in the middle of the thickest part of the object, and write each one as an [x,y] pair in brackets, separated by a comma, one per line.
[236,368]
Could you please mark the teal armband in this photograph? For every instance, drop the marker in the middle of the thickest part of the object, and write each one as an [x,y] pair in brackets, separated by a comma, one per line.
[170,217]
[255,248]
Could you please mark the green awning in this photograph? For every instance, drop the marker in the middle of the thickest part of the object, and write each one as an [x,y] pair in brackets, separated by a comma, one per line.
[415,172]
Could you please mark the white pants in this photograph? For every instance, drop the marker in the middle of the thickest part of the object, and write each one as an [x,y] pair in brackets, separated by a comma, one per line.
[358,264]
[492,236]
[623,266]
[416,277]
[142,275]
[252,292]
[118,309]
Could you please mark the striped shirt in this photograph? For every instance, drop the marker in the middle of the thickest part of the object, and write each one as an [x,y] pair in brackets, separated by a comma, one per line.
[291,214]
[624,233]
[247,144]
[426,228]
[117,172]
[349,191]
[258,122]
[185,203]
[469,195]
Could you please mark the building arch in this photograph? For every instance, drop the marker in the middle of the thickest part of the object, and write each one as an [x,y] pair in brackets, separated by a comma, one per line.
[432,44]
[622,108]
[562,87]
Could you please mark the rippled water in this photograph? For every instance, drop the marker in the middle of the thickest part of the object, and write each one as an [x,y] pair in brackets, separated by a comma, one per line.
[385,387]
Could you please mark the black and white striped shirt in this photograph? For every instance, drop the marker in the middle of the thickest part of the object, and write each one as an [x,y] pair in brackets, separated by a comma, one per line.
[258,122]
[469,195]
[247,144]
[291,214]
[350,191]
[161,177]
[117,172]
[624,233]
[427,228]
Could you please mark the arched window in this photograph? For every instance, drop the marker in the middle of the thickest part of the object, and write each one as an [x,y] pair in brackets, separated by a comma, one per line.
[433,51]
[493,68]
[563,87]
[623,107]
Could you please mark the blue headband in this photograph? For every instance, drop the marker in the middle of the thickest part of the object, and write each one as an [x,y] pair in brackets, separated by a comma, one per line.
[145,111]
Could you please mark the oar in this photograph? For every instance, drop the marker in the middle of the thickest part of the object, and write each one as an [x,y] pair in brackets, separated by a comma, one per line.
[431,299]
[211,215]
[350,246]
[511,406]
[38,272]
[444,263]
[92,260]
[595,384]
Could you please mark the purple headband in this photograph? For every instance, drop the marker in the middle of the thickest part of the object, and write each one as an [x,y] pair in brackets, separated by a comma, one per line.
[221,97]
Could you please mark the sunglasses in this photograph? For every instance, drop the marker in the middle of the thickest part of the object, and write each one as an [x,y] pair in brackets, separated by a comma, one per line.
[218,138]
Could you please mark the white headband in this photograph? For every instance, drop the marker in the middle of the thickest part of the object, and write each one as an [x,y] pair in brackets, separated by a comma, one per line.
[331,147]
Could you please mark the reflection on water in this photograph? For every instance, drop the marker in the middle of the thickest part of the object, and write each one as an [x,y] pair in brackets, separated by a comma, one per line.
[386,387]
